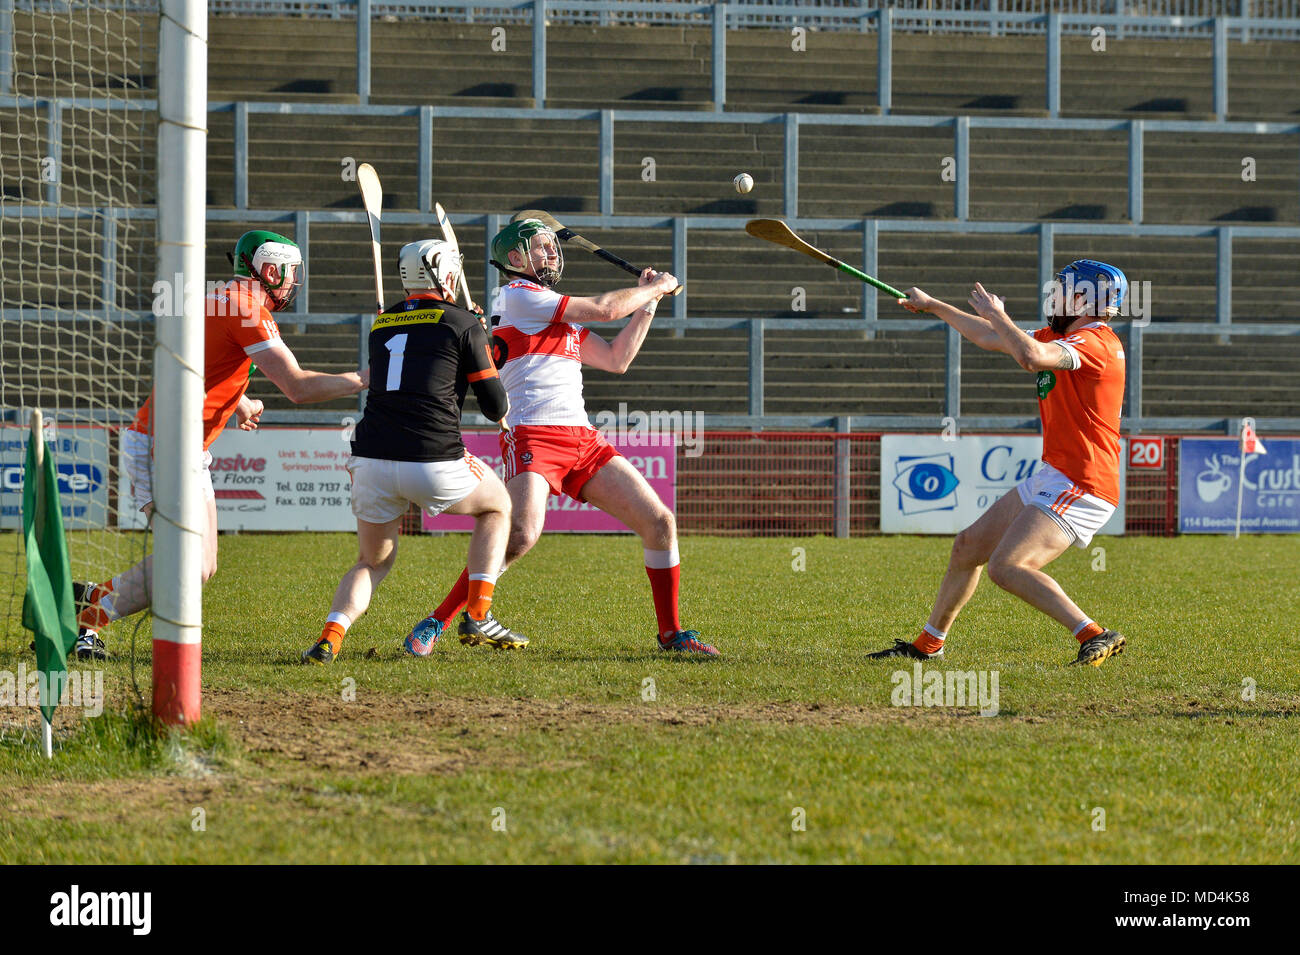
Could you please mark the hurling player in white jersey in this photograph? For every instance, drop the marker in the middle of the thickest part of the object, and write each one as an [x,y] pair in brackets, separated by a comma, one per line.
[550,448]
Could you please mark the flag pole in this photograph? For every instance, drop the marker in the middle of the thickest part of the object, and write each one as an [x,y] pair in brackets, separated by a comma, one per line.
[1241,479]
[38,437]
[1250,444]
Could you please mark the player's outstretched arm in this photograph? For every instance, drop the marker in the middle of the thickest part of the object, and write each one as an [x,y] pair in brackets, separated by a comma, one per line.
[622,302]
[971,327]
[1029,353]
[617,356]
[303,386]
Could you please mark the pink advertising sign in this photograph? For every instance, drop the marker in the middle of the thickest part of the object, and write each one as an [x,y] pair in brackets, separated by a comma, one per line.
[654,456]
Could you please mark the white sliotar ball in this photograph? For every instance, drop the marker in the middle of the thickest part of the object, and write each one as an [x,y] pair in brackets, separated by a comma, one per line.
[744,182]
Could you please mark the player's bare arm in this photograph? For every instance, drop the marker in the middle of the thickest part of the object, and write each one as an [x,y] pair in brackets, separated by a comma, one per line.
[619,303]
[303,386]
[248,413]
[1029,353]
[616,356]
[973,328]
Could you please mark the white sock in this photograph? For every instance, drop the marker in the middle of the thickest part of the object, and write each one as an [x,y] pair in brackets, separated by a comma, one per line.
[1077,630]
[937,634]
[106,605]
[340,618]
[488,578]
[662,559]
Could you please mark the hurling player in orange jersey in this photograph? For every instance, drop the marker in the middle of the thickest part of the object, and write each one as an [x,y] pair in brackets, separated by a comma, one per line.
[1079,364]
[238,330]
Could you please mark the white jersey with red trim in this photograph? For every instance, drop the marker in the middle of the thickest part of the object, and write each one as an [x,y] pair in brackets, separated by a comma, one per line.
[539,355]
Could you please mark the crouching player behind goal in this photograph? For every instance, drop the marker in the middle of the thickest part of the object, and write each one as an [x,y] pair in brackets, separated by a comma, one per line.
[551,447]
[425,353]
[1080,367]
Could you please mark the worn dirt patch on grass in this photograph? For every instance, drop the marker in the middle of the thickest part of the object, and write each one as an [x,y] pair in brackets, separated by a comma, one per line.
[396,735]
[299,724]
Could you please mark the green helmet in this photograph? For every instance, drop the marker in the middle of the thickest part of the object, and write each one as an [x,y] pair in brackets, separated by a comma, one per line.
[260,247]
[519,237]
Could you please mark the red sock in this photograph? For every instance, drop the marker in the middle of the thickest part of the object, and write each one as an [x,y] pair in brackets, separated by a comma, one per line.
[664,584]
[456,600]
[480,598]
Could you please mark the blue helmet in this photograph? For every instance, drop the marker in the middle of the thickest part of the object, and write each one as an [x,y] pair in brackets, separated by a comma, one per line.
[1104,284]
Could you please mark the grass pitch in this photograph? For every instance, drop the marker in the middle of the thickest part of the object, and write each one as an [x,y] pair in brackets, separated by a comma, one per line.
[592,746]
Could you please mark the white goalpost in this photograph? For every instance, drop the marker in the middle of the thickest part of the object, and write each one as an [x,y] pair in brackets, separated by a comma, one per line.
[179,514]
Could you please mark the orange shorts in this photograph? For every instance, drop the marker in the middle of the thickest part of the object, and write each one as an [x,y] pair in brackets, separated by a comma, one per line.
[567,456]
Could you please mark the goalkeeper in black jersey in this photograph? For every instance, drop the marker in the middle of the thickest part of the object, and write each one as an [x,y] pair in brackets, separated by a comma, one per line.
[425,354]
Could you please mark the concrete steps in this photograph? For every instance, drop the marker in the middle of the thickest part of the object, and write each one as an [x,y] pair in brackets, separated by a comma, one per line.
[443,63]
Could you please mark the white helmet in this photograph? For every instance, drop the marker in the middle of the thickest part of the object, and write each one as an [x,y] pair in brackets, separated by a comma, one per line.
[430,264]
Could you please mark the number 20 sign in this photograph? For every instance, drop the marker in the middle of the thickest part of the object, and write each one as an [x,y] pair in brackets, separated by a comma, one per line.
[1146,452]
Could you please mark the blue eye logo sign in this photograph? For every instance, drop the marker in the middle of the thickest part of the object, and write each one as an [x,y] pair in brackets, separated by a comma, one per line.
[926,483]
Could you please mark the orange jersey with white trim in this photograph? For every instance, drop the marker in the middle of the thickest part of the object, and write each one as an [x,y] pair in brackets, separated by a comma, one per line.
[236,328]
[1081,409]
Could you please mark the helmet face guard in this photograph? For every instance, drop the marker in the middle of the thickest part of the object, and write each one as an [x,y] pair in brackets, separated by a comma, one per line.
[536,244]
[545,257]
[281,292]
[445,268]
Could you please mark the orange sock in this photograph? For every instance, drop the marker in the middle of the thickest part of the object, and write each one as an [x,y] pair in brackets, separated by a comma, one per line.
[333,632]
[928,642]
[1087,630]
[95,616]
[480,597]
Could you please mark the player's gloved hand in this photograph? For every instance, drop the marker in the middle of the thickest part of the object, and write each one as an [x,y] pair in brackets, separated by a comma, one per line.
[916,301]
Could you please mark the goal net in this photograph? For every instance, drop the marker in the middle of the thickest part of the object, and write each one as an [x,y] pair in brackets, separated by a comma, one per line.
[78,253]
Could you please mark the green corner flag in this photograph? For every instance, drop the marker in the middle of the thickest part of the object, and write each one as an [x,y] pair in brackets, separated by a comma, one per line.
[48,610]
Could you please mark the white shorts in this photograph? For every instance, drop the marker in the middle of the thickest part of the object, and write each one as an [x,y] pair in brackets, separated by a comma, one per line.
[1078,513]
[382,490]
[137,461]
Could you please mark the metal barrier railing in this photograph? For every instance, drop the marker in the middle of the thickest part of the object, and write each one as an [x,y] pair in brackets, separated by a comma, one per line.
[870,324]
[607,120]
